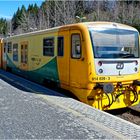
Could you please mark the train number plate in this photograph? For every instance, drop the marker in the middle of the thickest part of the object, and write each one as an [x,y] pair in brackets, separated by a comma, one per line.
[101,78]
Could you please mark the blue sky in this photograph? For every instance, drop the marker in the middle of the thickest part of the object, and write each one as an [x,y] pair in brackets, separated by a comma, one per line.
[9,7]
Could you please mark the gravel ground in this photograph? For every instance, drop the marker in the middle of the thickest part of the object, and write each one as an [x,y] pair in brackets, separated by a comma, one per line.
[130,117]
[130,114]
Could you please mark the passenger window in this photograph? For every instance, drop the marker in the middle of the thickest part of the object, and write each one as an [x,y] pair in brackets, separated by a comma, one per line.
[5,46]
[60,46]
[26,54]
[9,50]
[15,52]
[22,54]
[76,46]
[48,47]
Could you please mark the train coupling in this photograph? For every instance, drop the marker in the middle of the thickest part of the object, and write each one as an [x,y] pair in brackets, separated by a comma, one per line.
[106,87]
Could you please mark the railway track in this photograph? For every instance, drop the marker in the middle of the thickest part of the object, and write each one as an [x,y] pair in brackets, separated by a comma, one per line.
[135,108]
[131,114]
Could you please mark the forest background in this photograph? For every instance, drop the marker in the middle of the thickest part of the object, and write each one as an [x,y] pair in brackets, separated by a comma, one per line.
[54,13]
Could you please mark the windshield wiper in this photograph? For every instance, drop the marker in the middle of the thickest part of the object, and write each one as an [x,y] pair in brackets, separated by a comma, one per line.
[117,55]
[128,55]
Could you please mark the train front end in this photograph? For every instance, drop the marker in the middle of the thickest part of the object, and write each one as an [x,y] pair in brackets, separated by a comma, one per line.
[116,66]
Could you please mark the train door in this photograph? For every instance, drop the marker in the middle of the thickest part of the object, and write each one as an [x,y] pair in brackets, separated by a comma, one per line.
[63,57]
[24,56]
[77,69]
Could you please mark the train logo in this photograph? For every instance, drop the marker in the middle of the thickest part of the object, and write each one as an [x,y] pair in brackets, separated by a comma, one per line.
[120,66]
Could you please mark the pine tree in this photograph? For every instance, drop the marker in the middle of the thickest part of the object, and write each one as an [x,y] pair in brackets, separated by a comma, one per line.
[16,19]
[23,19]
[3,26]
[33,18]
[55,13]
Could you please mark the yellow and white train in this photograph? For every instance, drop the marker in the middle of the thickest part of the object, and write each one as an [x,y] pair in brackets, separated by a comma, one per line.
[99,62]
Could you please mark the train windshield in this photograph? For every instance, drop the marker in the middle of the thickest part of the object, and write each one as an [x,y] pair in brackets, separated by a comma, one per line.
[115,43]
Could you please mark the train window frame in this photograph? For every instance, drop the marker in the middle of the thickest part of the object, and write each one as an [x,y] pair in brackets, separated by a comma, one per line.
[15,52]
[5,46]
[9,47]
[80,45]
[109,58]
[22,58]
[24,53]
[60,52]
[51,54]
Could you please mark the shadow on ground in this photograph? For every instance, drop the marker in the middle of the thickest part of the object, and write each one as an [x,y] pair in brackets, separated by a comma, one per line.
[32,87]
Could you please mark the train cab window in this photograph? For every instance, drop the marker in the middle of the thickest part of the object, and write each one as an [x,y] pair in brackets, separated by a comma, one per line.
[76,46]
[60,46]
[15,52]
[9,49]
[48,46]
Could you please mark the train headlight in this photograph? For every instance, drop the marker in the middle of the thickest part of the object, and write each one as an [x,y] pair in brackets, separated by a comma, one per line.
[108,88]
[135,69]
[136,62]
[100,63]
[100,71]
